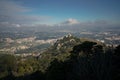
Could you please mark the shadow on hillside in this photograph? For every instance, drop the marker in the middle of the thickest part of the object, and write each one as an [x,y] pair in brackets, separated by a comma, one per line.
[34,76]
[95,64]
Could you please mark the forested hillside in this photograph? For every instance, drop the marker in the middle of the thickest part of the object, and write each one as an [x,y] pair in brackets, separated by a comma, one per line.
[70,58]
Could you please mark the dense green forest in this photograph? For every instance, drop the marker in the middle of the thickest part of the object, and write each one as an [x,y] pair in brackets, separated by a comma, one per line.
[73,60]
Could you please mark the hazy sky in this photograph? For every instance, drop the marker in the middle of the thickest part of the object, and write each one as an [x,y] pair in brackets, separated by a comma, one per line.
[49,12]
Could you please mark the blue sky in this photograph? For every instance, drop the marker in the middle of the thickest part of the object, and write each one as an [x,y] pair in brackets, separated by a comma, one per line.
[59,11]
[78,9]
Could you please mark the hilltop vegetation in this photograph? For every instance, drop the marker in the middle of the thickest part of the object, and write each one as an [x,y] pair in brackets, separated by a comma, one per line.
[70,58]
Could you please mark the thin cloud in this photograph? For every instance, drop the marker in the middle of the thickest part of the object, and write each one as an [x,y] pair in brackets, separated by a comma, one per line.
[70,21]
[73,25]
[10,7]
[14,13]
